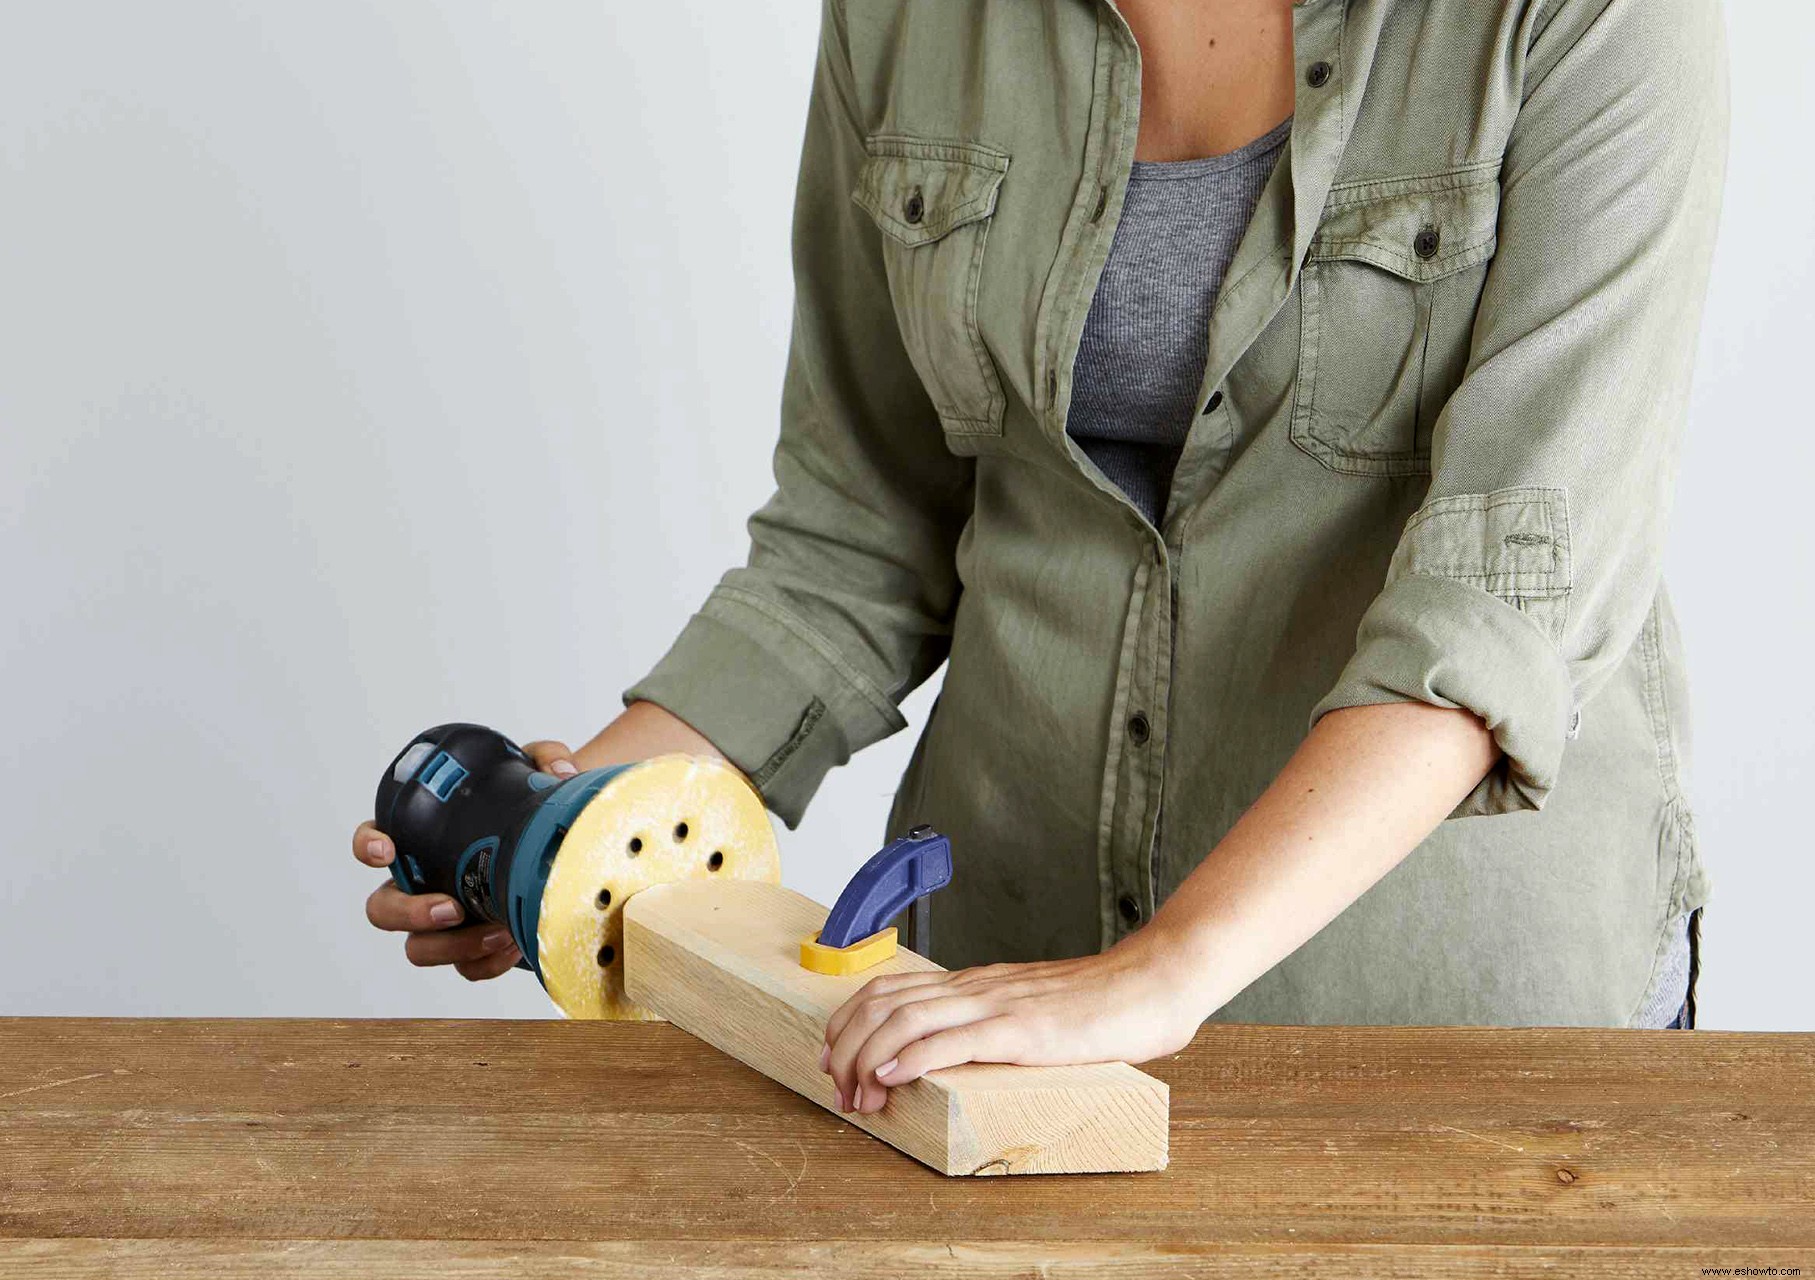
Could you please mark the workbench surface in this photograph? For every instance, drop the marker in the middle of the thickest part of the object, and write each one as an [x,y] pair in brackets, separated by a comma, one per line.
[454,1149]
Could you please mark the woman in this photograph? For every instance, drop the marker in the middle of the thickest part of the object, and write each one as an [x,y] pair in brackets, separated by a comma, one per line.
[1270,410]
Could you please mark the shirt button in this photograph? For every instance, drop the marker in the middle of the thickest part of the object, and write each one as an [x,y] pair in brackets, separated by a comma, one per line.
[1424,244]
[915,209]
[1130,909]
[1216,398]
[1052,386]
[1102,203]
[1317,74]
[1138,728]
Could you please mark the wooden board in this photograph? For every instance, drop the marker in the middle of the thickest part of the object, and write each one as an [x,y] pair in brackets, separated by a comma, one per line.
[282,1148]
[722,961]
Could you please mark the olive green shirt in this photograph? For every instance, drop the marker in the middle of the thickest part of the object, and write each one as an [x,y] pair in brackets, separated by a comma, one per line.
[1443,396]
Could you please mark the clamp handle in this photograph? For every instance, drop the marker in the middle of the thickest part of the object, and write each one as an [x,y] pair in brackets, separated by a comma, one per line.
[898,873]
[901,872]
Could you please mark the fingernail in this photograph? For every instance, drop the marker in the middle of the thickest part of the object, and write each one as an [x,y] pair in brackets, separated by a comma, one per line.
[444,913]
[825,1057]
[375,850]
[562,769]
[857,1099]
[886,1067]
[495,939]
[838,1099]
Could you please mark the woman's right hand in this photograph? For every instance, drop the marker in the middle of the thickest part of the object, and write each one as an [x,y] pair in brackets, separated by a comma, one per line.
[434,923]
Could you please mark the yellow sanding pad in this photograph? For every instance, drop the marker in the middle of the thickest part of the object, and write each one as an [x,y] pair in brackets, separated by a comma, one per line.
[673,817]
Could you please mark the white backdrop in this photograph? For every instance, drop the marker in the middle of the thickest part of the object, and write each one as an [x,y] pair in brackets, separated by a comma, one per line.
[364,366]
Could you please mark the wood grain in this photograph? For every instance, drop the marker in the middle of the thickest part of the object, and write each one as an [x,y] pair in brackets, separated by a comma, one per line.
[228,1148]
[722,961]
[89,1259]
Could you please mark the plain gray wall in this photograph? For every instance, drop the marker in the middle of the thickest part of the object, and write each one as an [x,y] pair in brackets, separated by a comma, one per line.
[367,365]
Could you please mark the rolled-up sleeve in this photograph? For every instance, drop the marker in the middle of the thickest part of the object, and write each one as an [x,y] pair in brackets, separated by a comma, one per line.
[801,656]
[1525,576]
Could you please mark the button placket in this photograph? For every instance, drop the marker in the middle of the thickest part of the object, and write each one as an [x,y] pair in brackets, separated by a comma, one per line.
[1107,153]
[1129,786]
[1141,761]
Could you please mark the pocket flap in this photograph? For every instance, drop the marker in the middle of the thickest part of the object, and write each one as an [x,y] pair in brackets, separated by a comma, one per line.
[1420,228]
[1511,543]
[918,189]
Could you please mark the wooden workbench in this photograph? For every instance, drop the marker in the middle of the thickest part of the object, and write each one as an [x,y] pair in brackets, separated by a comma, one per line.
[457,1149]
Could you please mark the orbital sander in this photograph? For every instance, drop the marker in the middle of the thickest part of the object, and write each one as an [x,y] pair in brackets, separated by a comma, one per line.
[554,860]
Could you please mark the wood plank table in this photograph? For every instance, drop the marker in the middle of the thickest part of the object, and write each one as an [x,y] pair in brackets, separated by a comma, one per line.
[532,1149]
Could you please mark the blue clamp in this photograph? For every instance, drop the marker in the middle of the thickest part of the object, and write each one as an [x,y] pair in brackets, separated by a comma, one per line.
[902,872]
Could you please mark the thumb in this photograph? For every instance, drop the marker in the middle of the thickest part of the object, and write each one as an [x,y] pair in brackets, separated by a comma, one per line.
[552,757]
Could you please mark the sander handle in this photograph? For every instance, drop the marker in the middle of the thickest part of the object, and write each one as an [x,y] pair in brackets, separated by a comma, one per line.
[452,801]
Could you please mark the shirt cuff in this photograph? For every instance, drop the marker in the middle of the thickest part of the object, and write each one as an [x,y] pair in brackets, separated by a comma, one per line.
[1448,643]
[771,693]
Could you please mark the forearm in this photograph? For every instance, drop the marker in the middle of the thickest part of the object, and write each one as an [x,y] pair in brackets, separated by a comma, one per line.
[1363,789]
[643,729]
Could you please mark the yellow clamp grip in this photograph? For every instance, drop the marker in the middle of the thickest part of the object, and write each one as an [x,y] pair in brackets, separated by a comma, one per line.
[857,957]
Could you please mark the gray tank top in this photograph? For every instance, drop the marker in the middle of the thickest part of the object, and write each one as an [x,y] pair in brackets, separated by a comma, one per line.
[1135,382]
[1141,361]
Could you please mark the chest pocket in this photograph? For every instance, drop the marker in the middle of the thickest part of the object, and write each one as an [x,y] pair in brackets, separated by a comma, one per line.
[1387,303]
[933,200]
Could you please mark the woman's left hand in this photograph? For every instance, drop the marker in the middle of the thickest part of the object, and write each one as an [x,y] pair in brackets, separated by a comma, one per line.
[1121,1006]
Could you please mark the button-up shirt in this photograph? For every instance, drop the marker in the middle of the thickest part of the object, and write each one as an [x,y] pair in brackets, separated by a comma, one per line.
[1442,399]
